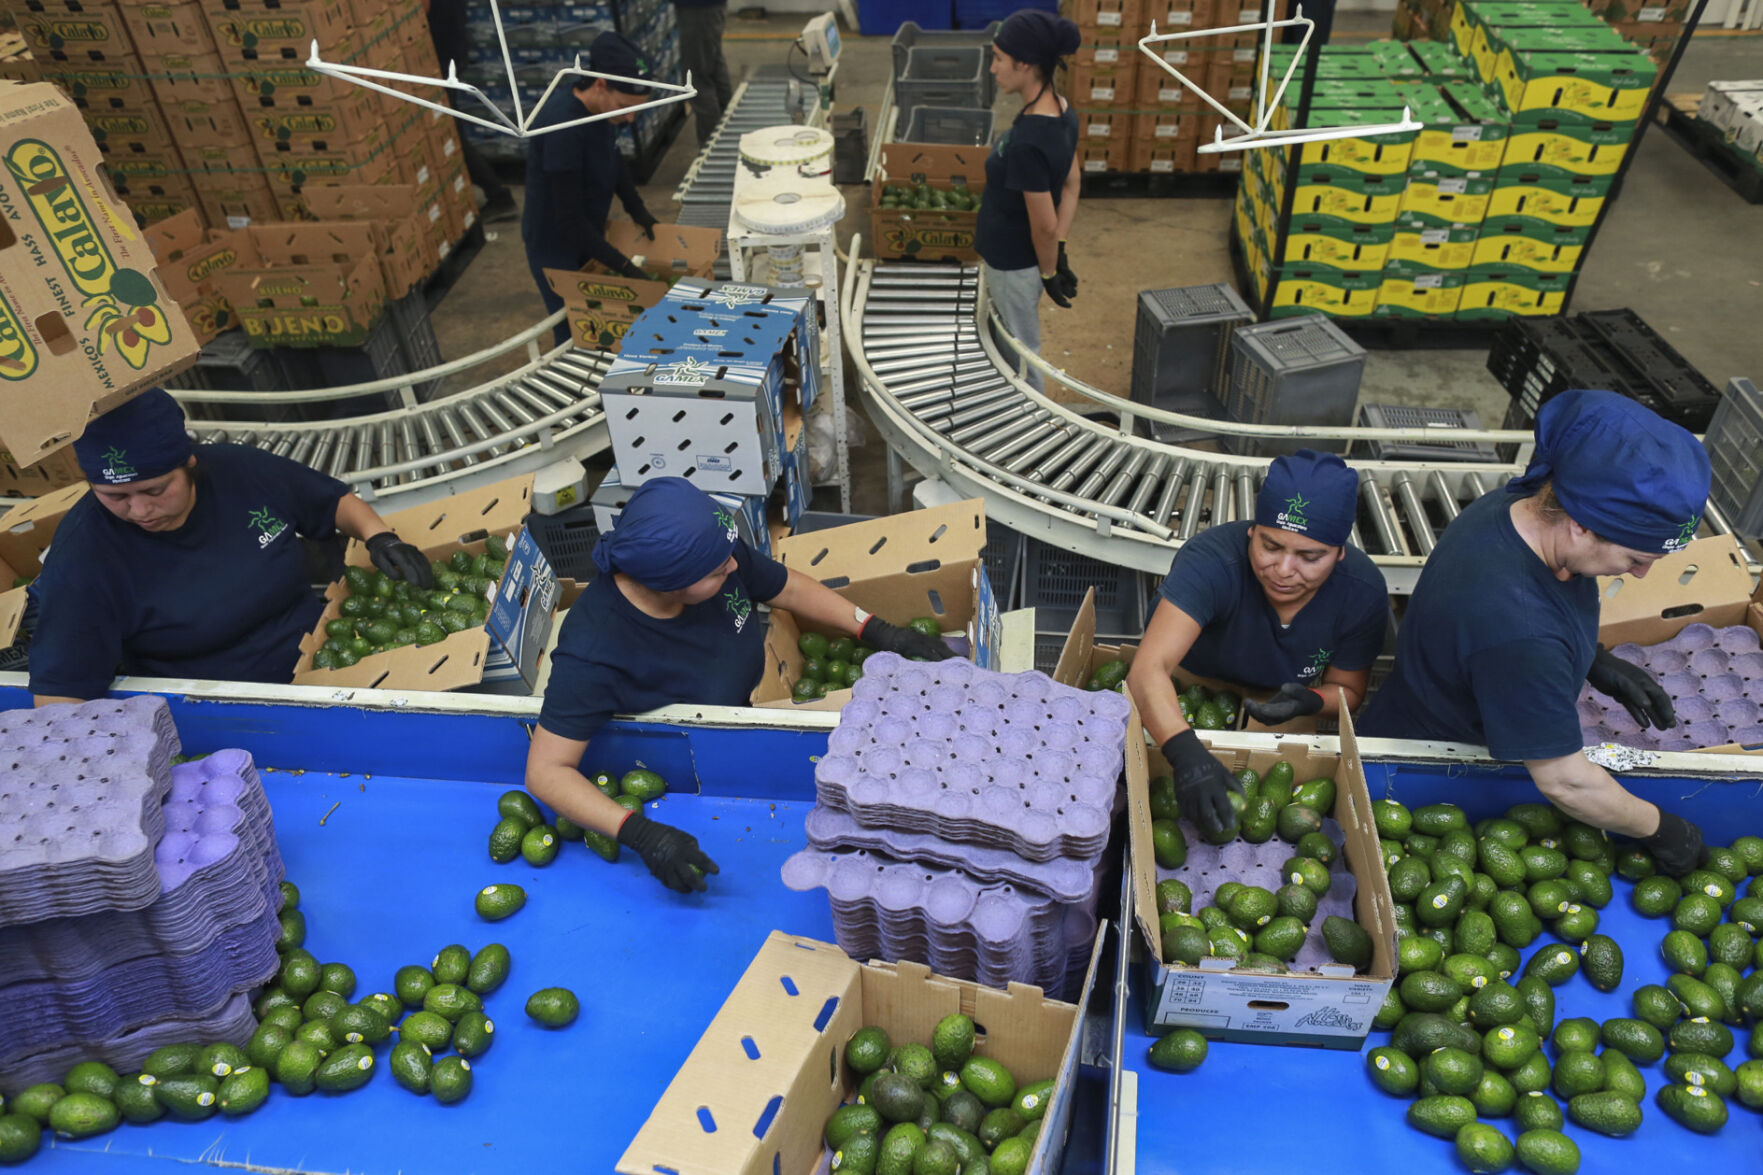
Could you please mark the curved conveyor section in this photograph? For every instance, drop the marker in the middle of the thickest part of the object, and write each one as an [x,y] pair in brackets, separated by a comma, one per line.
[950,405]
[546,410]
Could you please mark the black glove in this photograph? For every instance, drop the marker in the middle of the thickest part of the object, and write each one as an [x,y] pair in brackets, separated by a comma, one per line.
[1644,699]
[399,560]
[908,642]
[634,271]
[1055,289]
[1067,279]
[645,222]
[671,855]
[1202,785]
[1677,846]
[1292,701]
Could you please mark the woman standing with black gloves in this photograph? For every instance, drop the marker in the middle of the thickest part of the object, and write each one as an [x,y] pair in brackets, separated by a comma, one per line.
[1032,179]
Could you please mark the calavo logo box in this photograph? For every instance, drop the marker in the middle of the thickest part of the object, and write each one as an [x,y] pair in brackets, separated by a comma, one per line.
[84,321]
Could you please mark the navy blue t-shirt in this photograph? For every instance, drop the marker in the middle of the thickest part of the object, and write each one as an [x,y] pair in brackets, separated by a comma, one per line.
[1493,649]
[224,597]
[1241,640]
[1034,155]
[588,156]
[613,658]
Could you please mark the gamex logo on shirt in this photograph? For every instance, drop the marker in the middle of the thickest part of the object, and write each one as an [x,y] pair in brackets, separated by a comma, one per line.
[268,527]
[116,466]
[1318,662]
[738,606]
[1292,517]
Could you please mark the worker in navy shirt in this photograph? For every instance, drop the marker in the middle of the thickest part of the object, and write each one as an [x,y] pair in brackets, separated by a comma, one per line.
[1501,632]
[671,618]
[185,560]
[572,174]
[1282,603]
[1032,179]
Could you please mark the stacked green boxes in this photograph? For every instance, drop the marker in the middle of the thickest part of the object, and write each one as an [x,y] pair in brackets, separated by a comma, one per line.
[1482,213]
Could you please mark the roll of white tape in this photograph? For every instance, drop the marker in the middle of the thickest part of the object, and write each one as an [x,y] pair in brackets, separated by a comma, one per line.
[786,146]
[787,203]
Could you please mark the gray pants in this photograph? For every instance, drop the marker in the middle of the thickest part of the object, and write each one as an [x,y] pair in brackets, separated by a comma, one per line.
[1016,294]
[700,50]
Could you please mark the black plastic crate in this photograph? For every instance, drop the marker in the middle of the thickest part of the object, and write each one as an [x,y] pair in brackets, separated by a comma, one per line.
[1408,416]
[1688,397]
[567,539]
[1054,582]
[1735,453]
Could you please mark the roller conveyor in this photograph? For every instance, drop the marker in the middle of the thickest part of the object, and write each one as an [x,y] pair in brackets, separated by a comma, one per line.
[952,406]
[709,186]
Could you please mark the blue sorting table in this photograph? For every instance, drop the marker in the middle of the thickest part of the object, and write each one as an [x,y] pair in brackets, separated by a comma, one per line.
[1203,1123]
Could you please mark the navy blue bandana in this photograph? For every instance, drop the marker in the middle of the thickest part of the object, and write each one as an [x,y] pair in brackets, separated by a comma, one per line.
[141,439]
[1309,493]
[670,535]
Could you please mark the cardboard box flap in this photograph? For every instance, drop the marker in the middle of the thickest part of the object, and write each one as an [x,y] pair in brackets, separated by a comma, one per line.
[1073,668]
[1707,582]
[349,202]
[460,519]
[12,606]
[26,531]
[934,163]
[172,237]
[754,1054]
[921,541]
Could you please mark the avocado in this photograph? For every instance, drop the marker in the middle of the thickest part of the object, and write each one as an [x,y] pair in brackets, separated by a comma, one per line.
[1168,845]
[450,1080]
[1164,805]
[291,930]
[1482,1148]
[1174,897]
[266,1044]
[83,1115]
[1731,944]
[1547,1152]
[553,1007]
[1537,1111]
[1440,903]
[1509,1046]
[1601,959]
[1250,907]
[1495,1003]
[243,1090]
[1699,1000]
[1438,819]
[857,1156]
[411,983]
[1180,1051]
[1347,942]
[189,1097]
[299,974]
[1442,1115]
[848,1121]
[866,1050]
[1416,952]
[357,1024]
[410,1063]
[322,1005]
[951,1041]
[1296,901]
[988,1081]
[1693,1106]
[1260,818]
[430,1029]
[20,1136]
[1514,921]
[452,1001]
[603,846]
[349,1068]
[899,1149]
[505,839]
[998,1125]
[496,902]
[1532,1076]
[1429,991]
[1393,1071]
[1419,1033]
[1684,952]
[1554,965]
[1295,821]
[473,1035]
[916,1063]
[1307,872]
[318,1034]
[1452,1070]
[520,806]
[1621,1076]
[645,785]
[1702,1069]
[1605,1113]
[1394,821]
[897,1097]
[135,1101]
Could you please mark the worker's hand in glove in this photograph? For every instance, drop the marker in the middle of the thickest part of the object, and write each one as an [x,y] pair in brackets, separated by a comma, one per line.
[399,560]
[907,642]
[645,222]
[1055,289]
[1645,699]
[1676,846]
[1202,785]
[671,855]
[634,271]
[1067,279]
[1292,701]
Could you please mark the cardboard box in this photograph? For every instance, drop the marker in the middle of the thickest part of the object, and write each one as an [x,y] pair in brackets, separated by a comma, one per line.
[200,123]
[252,34]
[123,133]
[1349,195]
[1531,243]
[83,35]
[1343,244]
[602,305]
[189,259]
[1104,156]
[1605,85]
[1180,16]
[774,1056]
[503,654]
[1434,243]
[1112,85]
[1570,142]
[921,563]
[1495,292]
[1322,289]
[293,118]
[26,531]
[1162,156]
[100,88]
[1104,15]
[311,285]
[405,254]
[1167,125]
[1707,582]
[158,27]
[1099,125]
[87,323]
[190,77]
[1550,195]
[1417,291]
[235,202]
[1158,90]
[939,235]
[1105,47]
[54,472]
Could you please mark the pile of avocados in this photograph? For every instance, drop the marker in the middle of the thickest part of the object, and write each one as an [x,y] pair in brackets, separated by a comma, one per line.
[521,829]
[921,197]
[381,613]
[310,1036]
[835,663]
[1473,1033]
[937,1110]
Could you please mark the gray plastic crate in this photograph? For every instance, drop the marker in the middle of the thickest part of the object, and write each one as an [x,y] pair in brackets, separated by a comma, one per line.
[567,541]
[1181,352]
[1407,416]
[1054,581]
[911,38]
[958,126]
[1735,451]
[945,75]
[1292,371]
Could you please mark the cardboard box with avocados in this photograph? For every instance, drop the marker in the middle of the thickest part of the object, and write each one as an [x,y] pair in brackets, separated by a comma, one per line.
[84,322]
[501,655]
[1707,582]
[754,1095]
[25,533]
[602,305]
[926,234]
[1332,1007]
[921,563]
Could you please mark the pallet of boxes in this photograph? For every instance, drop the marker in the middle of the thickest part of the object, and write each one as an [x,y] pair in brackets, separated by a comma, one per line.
[1525,115]
[295,206]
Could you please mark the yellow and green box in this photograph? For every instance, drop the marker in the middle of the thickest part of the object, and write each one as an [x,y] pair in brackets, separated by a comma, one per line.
[1572,142]
[1350,195]
[1397,63]
[1499,292]
[1458,199]
[1525,241]
[1470,17]
[1337,243]
[1465,131]
[1439,61]
[1548,194]
[1611,86]
[1431,242]
[1322,289]
[1416,291]
[1386,154]
[1565,26]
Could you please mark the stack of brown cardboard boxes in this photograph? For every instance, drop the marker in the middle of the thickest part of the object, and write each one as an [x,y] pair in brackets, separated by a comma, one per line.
[208,104]
[1136,117]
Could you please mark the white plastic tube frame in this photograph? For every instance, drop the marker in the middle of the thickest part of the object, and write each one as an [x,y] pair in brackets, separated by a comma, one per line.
[520,126]
[1261,134]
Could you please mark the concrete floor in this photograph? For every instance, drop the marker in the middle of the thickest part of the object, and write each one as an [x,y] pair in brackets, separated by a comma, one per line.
[1679,247]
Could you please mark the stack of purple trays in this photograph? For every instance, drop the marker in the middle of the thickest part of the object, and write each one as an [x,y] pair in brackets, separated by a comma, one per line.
[961,820]
[1715,679]
[99,815]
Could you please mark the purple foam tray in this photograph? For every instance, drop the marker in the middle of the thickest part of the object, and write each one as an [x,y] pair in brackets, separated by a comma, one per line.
[232,1021]
[1715,679]
[1210,866]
